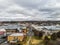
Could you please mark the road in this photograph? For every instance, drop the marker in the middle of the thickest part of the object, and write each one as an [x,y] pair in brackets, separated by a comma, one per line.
[28,42]
[4,43]
[2,40]
[30,34]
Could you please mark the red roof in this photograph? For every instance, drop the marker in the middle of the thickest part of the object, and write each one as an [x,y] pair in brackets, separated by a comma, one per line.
[1,33]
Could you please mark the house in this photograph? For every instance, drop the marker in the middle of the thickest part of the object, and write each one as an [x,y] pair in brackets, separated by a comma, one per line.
[24,30]
[47,29]
[10,28]
[2,33]
[16,37]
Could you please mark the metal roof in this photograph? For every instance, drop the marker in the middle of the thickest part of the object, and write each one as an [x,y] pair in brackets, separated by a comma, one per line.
[10,26]
[47,27]
[17,34]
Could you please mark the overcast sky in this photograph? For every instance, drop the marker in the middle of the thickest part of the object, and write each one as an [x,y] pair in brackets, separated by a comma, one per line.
[30,10]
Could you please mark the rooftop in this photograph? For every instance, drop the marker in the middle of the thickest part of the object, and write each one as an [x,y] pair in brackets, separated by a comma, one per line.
[47,27]
[17,34]
[11,26]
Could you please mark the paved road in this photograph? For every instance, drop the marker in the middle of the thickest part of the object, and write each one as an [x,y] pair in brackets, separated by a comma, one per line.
[4,44]
[30,34]
[2,40]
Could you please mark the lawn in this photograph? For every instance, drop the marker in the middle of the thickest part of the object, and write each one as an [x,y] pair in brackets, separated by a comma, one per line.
[27,38]
[36,41]
[33,41]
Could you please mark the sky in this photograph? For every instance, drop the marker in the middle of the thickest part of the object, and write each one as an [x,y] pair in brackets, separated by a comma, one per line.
[27,10]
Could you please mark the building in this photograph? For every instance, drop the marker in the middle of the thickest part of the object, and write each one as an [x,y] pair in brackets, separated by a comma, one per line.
[47,29]
[2,33]
[12,28]
[16,37]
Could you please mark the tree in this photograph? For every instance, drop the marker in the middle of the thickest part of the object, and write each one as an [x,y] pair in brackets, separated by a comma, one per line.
[54,36]
[39,34]
[46,40]
[58,34]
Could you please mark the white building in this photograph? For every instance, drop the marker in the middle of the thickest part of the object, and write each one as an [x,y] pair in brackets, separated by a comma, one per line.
[47,29]
[2,33]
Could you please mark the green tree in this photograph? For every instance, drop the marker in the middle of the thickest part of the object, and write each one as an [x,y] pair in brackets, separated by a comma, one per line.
[39,35]
[58,34]
[54,36]
[46,40]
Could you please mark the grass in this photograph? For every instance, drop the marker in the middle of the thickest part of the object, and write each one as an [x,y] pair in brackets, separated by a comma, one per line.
[35,40]
[27,38]
[38,41]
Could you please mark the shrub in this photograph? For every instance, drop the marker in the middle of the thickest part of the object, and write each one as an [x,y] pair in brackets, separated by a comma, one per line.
[46,40]
[58,34]
[54,36]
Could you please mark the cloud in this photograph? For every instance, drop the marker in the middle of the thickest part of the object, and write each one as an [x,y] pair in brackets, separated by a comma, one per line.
[12,11]
[29,10]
